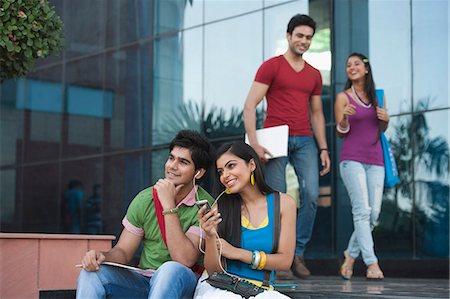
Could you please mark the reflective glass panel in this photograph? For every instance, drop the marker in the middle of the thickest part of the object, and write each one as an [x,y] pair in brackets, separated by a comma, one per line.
[8,193]
[84,27]
[77,180]
[220,9]
[11,123]
[430,53]
[124,176]
[41,197]
[432,183]
[177,95]
[274,2]
[275,24]
[394,233]
[126,21]
[233,53]
[391,69]
[41,94]
[86,107]
[159,158]
[173,15]
[127,95]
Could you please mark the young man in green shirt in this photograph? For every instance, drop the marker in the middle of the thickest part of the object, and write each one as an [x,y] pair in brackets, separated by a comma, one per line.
[172,257]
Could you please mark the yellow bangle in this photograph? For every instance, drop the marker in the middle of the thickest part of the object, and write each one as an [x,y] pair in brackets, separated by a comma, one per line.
[263,261]
[170,211]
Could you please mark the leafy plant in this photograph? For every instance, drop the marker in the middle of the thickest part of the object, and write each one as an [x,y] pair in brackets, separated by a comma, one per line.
[215,123]
[29,29]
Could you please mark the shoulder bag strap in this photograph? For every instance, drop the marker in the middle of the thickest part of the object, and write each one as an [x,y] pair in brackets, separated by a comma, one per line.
[159,215]
[197,268]
[276,233]
[380,96]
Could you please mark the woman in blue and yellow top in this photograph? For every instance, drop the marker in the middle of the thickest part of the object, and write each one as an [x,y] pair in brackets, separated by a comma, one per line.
[241,228]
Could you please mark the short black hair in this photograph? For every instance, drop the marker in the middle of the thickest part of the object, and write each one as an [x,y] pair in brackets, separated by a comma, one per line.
[299,20]
[202,151]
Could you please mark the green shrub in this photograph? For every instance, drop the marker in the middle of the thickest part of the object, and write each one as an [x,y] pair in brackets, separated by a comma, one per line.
[29,29]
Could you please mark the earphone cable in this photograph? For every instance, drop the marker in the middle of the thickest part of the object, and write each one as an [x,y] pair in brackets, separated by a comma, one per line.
[217,234]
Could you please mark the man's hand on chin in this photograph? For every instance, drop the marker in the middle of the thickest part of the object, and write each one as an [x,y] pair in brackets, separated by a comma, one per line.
[167,191]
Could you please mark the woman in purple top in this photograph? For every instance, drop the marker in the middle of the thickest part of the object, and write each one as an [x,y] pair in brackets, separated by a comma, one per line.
[360,122]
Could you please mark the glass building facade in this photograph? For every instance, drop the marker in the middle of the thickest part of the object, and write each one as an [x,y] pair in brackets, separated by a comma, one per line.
[133,73]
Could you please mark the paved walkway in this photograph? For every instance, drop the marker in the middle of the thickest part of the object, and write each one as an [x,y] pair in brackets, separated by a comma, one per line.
[359,287]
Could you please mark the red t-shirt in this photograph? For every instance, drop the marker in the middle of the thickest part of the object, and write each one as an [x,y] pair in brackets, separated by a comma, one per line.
[289,94]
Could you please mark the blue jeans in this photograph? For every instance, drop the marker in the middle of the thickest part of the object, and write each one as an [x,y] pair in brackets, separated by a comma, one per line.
[171,280]
[303,156]
[364,183]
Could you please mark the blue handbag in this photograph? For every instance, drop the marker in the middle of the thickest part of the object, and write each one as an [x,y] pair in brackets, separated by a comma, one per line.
[390,167]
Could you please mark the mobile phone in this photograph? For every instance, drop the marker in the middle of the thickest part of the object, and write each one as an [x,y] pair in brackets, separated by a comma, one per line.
[203,202]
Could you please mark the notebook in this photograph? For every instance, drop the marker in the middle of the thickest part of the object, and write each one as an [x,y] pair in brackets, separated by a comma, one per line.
[274,139]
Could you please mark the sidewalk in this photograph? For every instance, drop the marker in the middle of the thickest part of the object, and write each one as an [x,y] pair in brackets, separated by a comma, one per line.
[359,287]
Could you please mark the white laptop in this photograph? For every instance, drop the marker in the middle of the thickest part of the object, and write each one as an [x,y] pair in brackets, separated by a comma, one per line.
[275,139]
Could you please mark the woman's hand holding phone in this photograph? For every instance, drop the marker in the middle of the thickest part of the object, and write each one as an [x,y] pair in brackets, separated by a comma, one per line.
[208,218]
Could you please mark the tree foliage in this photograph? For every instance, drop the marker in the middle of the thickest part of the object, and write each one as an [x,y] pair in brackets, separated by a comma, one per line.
[29,29]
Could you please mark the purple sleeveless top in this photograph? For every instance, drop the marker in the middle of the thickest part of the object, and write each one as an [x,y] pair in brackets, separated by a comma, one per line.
[359,144]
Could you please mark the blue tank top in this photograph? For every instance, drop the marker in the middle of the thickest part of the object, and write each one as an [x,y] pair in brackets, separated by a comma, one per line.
[260,239]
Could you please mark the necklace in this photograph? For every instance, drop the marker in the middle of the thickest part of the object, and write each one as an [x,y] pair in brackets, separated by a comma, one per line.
[364,104]
[248,213]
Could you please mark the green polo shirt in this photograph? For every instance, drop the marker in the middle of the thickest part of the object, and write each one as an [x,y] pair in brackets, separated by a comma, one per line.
[141,220]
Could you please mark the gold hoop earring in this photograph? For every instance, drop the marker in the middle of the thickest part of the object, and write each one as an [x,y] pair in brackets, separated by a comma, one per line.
[228,191]
[252,179]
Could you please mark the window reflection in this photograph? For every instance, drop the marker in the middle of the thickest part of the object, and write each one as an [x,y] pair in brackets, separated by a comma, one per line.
[82,130]
[173,15]
[40,194]
[86,20]
[169,85]
[8,181]
[389,23]
[432,183]
[275,24]
[159,158]
[169,15]
[268,3]
[127,77]
[220,9]
[423,163]
[126,21]
[416,208]
[395,230]
[430,52]
[233,53]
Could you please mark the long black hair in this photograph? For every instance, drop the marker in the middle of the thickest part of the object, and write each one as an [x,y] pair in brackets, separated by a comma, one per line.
[230,204]
[369,87]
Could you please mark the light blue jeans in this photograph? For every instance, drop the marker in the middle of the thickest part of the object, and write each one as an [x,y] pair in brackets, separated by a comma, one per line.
[364,183]
[171,280]
[303,156]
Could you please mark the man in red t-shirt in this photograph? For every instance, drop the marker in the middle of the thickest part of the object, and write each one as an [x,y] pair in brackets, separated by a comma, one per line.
[292,88]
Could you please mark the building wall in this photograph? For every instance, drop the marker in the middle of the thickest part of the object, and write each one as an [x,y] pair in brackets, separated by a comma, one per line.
[133,73]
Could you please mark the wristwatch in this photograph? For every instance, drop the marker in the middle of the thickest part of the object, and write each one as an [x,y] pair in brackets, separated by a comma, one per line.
[323,149]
